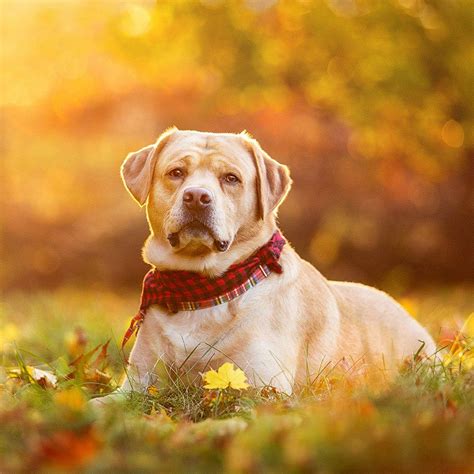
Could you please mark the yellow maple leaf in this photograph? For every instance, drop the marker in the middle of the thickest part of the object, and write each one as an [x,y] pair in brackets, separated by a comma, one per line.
[226,376]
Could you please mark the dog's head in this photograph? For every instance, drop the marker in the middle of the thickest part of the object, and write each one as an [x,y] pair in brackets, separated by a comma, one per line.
[205,192]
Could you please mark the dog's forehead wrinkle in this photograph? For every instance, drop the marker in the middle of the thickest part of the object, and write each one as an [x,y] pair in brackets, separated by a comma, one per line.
[213,148]
[208,140]
[185,145]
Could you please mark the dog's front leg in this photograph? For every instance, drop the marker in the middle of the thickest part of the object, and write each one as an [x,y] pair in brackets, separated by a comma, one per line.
[139,373]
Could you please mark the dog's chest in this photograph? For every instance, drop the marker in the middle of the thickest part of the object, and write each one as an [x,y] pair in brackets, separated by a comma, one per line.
[194,336]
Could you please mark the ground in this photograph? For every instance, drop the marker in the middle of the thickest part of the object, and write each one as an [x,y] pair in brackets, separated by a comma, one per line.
[54,356]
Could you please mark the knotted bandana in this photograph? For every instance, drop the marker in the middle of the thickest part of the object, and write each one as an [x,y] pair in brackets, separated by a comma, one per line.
[189,291]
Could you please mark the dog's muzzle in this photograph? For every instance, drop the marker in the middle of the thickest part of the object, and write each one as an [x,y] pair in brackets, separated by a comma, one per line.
[197,217]
[220,245]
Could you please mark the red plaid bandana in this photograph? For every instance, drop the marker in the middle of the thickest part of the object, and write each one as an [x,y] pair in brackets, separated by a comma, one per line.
[189,291]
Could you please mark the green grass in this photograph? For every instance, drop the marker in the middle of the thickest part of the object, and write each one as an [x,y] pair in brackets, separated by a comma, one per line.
[422,422]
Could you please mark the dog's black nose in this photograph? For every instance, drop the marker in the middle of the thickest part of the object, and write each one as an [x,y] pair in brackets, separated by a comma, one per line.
[196,199]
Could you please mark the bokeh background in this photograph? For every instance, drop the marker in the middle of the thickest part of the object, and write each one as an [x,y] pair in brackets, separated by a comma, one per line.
[368,102]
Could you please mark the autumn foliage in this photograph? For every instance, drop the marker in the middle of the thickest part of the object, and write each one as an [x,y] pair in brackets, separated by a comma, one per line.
[368,102]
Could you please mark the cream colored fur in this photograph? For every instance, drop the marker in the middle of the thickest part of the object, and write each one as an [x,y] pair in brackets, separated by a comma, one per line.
[289,327]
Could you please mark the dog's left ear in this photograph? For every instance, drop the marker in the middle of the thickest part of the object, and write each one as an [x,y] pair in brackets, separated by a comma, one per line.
[137,169]
[273,178]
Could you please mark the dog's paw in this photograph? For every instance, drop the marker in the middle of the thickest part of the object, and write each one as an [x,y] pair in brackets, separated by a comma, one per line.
[107,400]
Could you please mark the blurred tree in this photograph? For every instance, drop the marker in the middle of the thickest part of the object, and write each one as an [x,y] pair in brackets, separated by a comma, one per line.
[369,101]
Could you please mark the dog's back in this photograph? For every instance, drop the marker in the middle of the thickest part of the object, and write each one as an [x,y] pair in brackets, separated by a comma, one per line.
[383,325]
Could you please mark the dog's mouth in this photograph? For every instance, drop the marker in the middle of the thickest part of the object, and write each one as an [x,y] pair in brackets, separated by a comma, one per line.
[197,232]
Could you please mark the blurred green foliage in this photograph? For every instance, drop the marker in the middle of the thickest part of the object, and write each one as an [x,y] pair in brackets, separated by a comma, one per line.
[369,102]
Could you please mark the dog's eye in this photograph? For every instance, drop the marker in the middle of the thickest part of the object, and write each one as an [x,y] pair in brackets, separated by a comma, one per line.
[176,173]
[231,178]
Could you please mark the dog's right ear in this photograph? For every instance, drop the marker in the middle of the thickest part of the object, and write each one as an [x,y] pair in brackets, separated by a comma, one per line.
[137,169]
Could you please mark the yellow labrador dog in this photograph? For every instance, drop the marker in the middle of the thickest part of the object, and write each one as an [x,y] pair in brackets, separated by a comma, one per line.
[211,202]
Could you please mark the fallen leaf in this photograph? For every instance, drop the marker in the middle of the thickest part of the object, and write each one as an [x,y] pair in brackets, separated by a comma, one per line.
[226,376]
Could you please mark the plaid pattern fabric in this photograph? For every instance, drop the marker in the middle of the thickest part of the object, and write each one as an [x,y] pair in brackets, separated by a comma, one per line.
[189,291]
